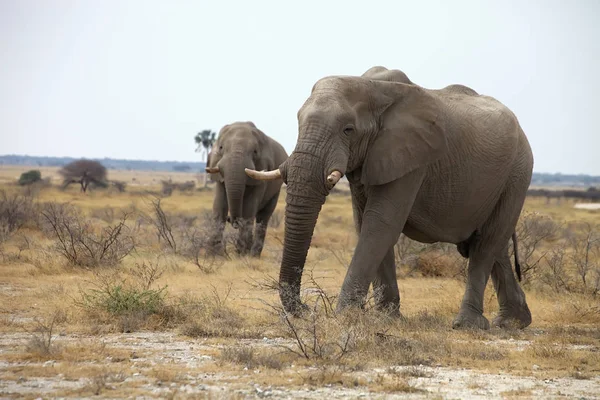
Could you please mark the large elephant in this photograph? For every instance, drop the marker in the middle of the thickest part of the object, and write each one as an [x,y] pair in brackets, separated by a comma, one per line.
[445,165]
[239,199]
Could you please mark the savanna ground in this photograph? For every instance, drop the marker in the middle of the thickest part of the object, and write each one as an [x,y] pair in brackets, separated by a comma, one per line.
[111,294]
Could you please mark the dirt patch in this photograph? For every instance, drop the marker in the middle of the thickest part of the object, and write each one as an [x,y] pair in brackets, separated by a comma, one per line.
[166,364]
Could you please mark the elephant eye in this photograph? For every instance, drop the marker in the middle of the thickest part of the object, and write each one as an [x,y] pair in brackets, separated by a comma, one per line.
[348,130]
[220,147]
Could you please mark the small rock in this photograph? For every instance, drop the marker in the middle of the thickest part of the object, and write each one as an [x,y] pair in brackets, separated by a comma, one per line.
[535,367]
[49,363]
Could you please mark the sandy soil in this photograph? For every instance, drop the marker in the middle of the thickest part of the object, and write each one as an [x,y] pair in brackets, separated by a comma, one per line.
[198,376]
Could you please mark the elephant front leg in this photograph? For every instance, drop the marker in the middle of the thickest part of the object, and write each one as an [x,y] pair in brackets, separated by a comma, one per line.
[385,286]
[385,214]
[215,239]
[220,210]
[244,238]
[260,231]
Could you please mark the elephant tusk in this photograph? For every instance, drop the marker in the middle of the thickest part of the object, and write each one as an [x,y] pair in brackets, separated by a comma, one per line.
[263,175]
[334,177]
[213,170]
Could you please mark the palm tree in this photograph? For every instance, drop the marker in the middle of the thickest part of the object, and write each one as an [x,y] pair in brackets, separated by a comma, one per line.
[204,143]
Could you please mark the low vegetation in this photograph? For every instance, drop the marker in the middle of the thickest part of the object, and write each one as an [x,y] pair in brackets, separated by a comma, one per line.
[103,263]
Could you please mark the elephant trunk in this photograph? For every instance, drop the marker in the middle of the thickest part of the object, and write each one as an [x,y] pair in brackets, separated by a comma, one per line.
[235,186]
[306,192]
[300,220]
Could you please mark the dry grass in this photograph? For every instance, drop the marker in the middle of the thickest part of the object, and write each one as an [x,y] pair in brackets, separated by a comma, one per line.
[236,302]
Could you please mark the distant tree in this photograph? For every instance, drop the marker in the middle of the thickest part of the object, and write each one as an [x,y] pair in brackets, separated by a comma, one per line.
[204,143]
[30,177]
[84,172]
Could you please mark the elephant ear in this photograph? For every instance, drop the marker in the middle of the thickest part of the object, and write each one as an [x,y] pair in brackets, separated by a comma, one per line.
[211,161]
[412,136]
[265,161]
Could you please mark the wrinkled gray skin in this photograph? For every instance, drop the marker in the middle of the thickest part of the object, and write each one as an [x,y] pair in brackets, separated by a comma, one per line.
[445,165]
[238,198]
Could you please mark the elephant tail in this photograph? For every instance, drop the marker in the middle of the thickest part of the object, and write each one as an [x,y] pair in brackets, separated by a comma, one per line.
[517,263]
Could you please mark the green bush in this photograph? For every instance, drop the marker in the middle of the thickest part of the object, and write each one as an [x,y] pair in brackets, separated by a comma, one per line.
[120,299]
[30,177]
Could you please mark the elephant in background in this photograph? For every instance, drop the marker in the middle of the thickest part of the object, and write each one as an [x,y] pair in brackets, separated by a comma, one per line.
[445,165]
[239,199]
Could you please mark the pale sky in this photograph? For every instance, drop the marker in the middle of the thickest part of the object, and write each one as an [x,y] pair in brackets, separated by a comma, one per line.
[138,79]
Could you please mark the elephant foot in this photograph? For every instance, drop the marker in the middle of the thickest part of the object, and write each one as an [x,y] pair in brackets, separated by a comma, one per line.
[296,309]
[516,318]
[344,304]
[391,308]
[470,320]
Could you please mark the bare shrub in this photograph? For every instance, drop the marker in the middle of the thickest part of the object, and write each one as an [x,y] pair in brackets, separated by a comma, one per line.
[432,260]
[406,252]
[585,256]
[199,247]
[441,262]
[554,274]
[147,273]
[15,212]
[41,342]
[190,236]
[319,334]
[533,231]
[83,244]
[163,225]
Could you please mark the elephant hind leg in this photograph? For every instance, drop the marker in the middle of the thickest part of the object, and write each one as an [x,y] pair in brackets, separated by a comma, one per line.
[514,311]
[470,314]
[488,255]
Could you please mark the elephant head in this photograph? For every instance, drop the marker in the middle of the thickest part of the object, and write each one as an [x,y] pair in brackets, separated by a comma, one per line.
[239,145]
[375,131]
